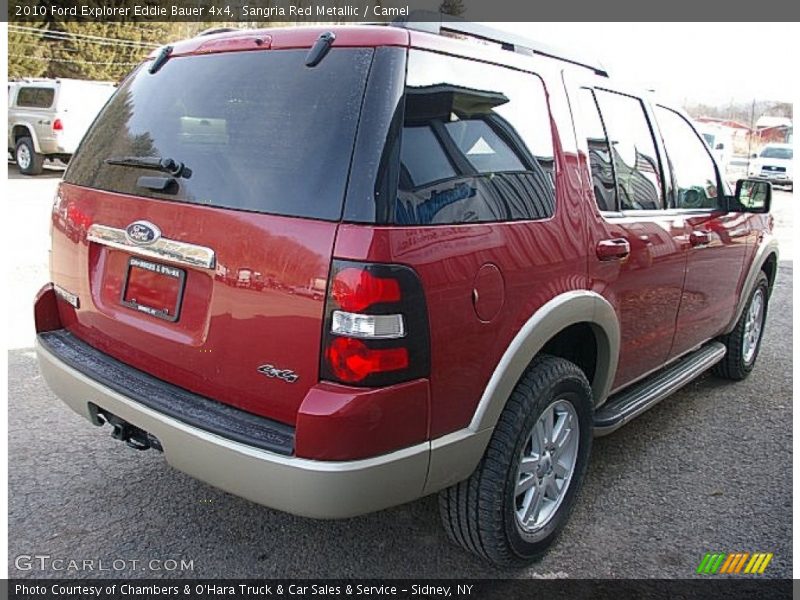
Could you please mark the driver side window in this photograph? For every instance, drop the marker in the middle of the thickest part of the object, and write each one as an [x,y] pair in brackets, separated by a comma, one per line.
[693,168]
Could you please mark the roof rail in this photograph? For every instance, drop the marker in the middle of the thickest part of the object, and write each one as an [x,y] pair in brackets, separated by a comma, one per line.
[442,24]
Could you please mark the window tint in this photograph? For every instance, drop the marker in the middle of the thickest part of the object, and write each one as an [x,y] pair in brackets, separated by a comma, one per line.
[476,144]
[260,131]
[692,166]
[35,97]
[777,152]
[423,157]
[599,152]
[633,151]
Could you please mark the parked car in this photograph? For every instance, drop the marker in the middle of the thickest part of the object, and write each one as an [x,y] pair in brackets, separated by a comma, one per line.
[48,117]
[499,286]
[774,163]
[720,141]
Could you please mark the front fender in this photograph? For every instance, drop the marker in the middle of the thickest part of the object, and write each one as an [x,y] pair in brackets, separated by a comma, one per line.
[768,247]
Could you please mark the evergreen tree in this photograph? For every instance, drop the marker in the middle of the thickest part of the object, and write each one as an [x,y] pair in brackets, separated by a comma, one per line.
[26,51]
[452,7]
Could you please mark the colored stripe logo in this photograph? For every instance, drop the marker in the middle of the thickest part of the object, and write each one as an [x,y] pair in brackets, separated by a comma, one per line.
[734,563]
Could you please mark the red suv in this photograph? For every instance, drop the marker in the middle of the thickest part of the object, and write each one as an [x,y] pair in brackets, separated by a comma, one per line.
[474,253]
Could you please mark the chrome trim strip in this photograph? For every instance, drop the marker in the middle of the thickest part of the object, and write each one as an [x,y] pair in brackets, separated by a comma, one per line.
[162,249]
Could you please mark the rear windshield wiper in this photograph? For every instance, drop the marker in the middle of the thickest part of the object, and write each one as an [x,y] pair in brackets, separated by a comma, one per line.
[154,163]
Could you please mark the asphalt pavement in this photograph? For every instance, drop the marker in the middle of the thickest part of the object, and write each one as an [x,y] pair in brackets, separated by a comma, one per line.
[708,469]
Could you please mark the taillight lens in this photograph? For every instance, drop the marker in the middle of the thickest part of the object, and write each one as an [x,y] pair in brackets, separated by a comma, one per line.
[58,125]
[376,325]
[355,289]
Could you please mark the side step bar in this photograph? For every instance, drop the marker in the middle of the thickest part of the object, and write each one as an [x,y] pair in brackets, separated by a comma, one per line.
[630,403]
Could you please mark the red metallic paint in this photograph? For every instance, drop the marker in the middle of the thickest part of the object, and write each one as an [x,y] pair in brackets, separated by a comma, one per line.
[231,324]
[713,272]
[226,331]
[45,309]
[337,422]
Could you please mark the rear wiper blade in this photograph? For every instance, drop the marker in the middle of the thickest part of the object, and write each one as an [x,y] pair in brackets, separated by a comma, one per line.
[160,60]
[154,163]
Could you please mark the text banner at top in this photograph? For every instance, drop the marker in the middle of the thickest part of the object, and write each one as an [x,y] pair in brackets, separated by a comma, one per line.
[278,12]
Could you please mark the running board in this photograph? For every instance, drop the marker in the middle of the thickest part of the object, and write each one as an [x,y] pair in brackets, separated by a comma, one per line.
[630,403]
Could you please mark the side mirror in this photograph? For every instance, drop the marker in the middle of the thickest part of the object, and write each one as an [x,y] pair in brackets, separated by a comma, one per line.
[754,155]
[719,146]
[753,195]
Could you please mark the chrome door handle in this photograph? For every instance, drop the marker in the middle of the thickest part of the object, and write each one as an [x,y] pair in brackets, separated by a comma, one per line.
[613,249]
[699,239]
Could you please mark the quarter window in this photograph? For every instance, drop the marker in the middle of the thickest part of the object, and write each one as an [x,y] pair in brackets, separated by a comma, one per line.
[476,144]
[692,166]
[633,151]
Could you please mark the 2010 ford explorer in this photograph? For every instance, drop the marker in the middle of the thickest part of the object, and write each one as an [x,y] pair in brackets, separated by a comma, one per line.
[336,269]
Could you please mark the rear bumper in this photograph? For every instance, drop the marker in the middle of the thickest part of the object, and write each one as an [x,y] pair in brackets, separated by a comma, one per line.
[311,488]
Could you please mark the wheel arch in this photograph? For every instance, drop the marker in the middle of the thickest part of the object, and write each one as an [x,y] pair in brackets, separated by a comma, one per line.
[576,308]
[765,260]
[20,130]
[455,456]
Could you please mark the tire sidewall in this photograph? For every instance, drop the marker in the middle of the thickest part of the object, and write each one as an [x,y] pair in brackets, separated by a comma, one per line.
[27,143]
[574,390]
[763,285]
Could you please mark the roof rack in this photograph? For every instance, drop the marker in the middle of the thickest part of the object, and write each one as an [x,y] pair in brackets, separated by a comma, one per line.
[442,24]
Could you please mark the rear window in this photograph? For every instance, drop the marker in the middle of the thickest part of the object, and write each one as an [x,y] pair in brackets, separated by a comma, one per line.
[476,144]
[259,131]
[777,152]
[35,97]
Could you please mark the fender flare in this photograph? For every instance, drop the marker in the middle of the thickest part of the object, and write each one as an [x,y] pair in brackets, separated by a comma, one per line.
[456,455]
[570,308]
[767,248]
[31,134]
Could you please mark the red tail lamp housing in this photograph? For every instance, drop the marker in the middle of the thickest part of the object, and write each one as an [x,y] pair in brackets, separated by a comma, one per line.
[58,125]
[355,289]
[375,356]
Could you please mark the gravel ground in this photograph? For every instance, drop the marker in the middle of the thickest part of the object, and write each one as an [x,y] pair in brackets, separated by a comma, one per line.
[709,469]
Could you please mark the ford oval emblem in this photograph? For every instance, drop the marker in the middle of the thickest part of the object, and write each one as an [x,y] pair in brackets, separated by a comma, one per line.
[142,233]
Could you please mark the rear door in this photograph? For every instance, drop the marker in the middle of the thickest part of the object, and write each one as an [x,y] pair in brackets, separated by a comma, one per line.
[255,149]
[639,258]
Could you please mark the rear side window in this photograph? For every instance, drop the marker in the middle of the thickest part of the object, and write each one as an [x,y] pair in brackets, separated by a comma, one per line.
[633,151]
[476,144]
[35,97]
[259,131]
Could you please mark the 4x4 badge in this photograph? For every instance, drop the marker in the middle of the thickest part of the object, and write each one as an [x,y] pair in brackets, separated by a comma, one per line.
[287,375]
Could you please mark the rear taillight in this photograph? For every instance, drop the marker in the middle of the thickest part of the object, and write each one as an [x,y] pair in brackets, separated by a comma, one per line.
[376,325]
[58,125]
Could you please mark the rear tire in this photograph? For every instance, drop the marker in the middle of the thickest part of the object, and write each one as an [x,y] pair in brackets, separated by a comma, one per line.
[28,160]
[744,342]
[488,514]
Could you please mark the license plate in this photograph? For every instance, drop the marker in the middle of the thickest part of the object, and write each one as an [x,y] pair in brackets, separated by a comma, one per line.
[154,289]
